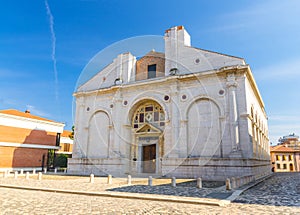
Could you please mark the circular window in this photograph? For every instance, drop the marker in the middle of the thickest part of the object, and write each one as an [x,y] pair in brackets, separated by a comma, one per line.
[87,108]
[166,98]
[125,103]
[111,106]
[197,61]
[183,97]
[221,92]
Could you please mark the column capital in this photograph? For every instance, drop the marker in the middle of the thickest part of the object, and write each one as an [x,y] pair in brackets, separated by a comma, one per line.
[231,80]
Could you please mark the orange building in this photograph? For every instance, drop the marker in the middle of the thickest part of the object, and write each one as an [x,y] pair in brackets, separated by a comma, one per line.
[285,158]
[26,140]
[66,144]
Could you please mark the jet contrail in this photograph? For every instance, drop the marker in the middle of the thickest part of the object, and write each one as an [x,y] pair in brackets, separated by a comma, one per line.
[53,39]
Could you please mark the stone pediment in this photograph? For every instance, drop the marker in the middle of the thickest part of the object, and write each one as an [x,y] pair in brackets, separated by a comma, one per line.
[148,128]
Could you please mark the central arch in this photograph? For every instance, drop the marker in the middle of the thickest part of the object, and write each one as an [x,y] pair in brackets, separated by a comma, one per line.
[148,124]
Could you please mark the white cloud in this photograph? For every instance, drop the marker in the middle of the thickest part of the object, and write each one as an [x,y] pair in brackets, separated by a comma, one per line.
[280,125]
[280,71]
[36,111]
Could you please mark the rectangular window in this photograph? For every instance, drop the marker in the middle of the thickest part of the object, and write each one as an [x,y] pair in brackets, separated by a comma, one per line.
[152,71]
[277,157]
[278,166]
[283,158]
[290,157]
[284,166]
[141,117]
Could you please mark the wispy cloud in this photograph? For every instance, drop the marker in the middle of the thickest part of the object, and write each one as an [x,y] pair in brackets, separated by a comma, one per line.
[285,70]
[261,16]
[53,55]
[37,111]
[283,124]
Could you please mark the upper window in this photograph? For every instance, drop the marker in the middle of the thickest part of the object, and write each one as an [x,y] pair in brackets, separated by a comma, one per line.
[151,113]
[152,71]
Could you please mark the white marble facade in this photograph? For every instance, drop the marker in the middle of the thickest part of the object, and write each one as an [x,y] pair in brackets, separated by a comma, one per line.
[187,113]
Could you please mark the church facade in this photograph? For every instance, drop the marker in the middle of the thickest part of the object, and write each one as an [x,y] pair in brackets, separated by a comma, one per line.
[187,112]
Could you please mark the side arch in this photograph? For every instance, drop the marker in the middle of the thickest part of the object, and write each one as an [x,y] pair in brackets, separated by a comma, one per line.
[204,128]
[98,135]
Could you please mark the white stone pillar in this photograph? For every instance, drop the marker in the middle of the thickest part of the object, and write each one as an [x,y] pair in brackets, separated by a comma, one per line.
[233,111]
[40,176]
[150,181]
[129,179]
[173,182]
[114,146]
[109,179]
[199,183]
[92,178]
[175,122]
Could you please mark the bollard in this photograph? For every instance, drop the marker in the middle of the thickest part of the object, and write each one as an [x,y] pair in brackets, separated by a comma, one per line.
[109,179]
[199,183]
[33,171]
[173,182]
[16,174]
[228,185]
[129,179]
[92,178]
[233,183]
[45,170]
[27,175]
[55,170]
[65,170]
[150,181]
[40,176]
[22,172]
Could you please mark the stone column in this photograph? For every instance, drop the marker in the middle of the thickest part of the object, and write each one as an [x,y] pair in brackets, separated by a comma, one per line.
[114,146]
[175,122]
[233,111]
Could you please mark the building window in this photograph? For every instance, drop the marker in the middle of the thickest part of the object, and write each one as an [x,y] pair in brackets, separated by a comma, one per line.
[290,157]
[278,166]
[277,157]
[283,157]
[152,71]
[284,166]
[151,113]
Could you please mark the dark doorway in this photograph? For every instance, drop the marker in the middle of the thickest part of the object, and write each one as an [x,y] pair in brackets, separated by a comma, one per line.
[149,158]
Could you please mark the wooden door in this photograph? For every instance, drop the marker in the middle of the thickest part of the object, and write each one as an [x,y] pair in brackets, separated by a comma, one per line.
[149,158]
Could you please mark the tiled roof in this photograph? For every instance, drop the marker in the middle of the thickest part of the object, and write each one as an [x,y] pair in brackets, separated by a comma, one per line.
[282,148]
[23,114]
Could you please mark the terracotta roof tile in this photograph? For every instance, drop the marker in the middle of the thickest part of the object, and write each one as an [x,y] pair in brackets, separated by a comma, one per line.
[23,114]
[282,148]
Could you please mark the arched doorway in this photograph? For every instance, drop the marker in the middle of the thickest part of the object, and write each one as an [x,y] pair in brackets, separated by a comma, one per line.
[148,123]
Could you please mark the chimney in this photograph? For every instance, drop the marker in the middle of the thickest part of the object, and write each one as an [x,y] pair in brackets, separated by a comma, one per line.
[176,39]
[27,111]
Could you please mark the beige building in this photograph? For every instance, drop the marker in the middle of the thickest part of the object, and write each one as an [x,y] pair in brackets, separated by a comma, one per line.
[187,112]
[285,156]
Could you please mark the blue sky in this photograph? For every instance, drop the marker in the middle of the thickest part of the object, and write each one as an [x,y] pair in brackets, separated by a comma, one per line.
[42,52]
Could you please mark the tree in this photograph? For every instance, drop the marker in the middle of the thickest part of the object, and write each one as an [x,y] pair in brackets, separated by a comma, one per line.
[72,133]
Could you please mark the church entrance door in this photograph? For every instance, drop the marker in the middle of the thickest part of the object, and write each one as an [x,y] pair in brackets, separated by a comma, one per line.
[149,158]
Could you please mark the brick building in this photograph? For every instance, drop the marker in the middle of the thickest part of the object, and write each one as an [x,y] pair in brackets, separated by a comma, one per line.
[26,139]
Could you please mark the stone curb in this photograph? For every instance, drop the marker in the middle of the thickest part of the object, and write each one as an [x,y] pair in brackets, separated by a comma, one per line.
[238,192]
[165,198]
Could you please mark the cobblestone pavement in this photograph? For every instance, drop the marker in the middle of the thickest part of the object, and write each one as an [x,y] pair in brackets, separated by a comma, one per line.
[279,189]
[260,198]
[15,201]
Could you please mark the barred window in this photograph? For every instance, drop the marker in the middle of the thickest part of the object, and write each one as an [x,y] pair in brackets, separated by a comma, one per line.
[150,112]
